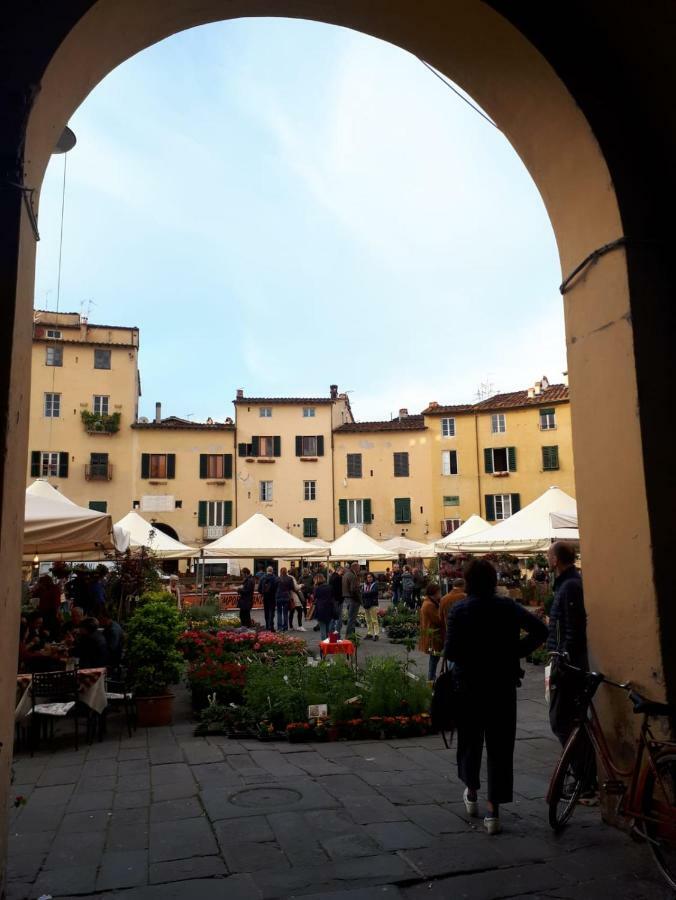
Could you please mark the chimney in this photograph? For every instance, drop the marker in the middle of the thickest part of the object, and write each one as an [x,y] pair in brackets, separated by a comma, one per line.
[545,382]
[432,404]
[403,413]
[531,393]
[158,413]
[240,393]
[333,390]
[538,388]
[565,378]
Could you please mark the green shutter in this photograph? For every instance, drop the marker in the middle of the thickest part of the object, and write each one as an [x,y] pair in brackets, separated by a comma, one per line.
[276,445]
[202,513]
[516,503]
[145,465]
[547,412]
[241,449]
[227,465]
[35,464]
[488,460]
[63,465]
[366,508]
[203,465]
[299,445]
[550,458]
[320,445]
[454,462]
[309,528]
[402,510]
[99,505]
[511,459]
[255,446]
[342,512]
[490,508]
[227,512]
[171,465]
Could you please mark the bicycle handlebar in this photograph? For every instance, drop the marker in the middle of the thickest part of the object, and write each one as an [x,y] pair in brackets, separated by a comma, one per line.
[623,685]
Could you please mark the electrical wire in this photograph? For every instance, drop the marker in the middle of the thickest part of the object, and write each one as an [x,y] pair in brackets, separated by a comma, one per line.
[453,88]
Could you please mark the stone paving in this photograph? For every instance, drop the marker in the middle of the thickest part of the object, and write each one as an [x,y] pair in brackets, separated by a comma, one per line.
[166,815]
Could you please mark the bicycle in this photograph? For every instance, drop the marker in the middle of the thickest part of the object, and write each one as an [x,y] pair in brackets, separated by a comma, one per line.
[647,790]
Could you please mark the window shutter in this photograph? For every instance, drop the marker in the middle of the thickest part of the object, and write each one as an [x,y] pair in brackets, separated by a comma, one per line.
[555,457]
[490,508]
[145,465]
[203,465]
[546,458]
[276,445]
[171,465]
[299,445]
[227,465]
[63,465]
[511,459]
[202,513]
[488,460]
[99,505]
[35,464]
[320,445]
[227,512]
[402,510]
[241,449]
[255,446]
[368,515]
[454,462]
[342,512]
[516,503]
[309,528]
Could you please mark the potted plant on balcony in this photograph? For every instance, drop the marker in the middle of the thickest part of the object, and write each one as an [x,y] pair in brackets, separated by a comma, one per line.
[154,662]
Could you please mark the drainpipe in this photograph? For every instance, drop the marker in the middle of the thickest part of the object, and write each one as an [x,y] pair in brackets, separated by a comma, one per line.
[478,459]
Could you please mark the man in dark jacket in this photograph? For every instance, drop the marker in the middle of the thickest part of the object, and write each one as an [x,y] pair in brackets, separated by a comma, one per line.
[267,587]
[352,596]
[336,585]
[246,596]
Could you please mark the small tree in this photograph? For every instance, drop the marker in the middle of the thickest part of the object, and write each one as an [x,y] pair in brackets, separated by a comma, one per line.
[154,661]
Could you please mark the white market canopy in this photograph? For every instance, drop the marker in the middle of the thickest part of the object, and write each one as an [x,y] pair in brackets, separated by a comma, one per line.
[55,528]
[563,520]
[474,525]
[528,531]
[355,545]
[259,537]
[403,546]
[319,542]
[144,534]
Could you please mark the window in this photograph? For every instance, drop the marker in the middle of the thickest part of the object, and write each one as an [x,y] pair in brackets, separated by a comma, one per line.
[47,464]
[54,356]
[101,359]
[448,526]
[499,460]
[261,446]
[52,406]
[308,412]
[158,465]
[55,335]
[550,459]
[354,465]
[100,405]
[501,506]
[266,446]
[265,412]
[498,424]
[448,427]
[216,465]
[449,462]
[214,513]
[309,528]
[99,505]
[355,512]
[309,490]
[547,419]
[98,465]
[401,465]
[308,446]
[265,491]
[402,510]
[453,500]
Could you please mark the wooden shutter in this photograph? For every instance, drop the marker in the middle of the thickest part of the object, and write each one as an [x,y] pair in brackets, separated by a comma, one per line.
[145,465]
[227,465]
[366,509]
[401,465]
[202,513]
[511,459]
[488,460]
[309,528]
[171,465]
[490,508]
[320,445]
[276,445]
[402,510]
[342,512]
[454,462]
[204,471]
[299,445]
[255,446]
[227,512]
[516,503]
[241,449]
[63,465]
[35,464]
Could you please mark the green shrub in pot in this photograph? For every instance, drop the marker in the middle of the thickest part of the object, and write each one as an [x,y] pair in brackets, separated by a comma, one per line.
[152,657]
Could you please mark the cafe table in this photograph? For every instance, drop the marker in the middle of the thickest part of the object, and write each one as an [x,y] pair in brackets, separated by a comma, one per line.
[327,647]
[92,686]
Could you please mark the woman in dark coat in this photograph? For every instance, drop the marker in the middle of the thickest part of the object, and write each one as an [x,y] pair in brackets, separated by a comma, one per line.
[483,641]
[246,597]
[325,610]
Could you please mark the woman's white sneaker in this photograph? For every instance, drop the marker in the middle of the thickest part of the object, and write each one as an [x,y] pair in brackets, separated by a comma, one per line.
[492,825]
[471,806]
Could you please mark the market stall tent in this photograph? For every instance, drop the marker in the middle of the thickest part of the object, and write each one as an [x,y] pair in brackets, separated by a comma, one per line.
[356,544]
[143,534]
[55,528]
[563,520]
[403,546]
[528,531]
[258,537]
[474,525]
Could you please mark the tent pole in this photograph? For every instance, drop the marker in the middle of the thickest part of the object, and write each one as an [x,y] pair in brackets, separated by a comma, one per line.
[202,561]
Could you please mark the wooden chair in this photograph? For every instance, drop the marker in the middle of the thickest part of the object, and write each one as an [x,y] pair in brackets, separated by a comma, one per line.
[55,695]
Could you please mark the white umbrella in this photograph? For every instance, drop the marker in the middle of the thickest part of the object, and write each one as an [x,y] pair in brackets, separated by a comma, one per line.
[356,544]
[144,534]
[259,537]
[474,525]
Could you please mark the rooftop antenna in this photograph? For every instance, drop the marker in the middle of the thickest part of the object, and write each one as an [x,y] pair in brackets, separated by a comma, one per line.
[486,389]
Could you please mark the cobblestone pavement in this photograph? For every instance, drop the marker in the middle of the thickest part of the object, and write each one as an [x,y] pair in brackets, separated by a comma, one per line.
[166,815]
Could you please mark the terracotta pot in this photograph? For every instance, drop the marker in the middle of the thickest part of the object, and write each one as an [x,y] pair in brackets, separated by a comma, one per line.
[155,710]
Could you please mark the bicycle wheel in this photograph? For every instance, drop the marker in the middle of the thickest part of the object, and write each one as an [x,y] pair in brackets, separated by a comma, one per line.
[571,777]
[659,809]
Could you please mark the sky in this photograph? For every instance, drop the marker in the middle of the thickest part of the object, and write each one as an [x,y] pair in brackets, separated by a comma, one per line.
[282,205]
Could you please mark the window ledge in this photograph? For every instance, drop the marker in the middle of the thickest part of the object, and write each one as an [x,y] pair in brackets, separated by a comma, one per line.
[152,481]
[264,460]
[501,474]
[308,458]
[216,482]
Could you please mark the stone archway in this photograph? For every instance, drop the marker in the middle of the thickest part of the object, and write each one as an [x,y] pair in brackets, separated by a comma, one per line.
[530,76]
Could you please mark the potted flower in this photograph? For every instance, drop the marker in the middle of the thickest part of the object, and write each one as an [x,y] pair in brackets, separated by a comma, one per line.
[154,662]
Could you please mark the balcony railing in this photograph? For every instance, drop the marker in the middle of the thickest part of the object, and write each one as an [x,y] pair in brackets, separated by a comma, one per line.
[98,471]
[211,532]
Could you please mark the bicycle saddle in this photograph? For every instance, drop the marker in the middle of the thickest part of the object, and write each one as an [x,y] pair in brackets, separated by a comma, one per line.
[650,707]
